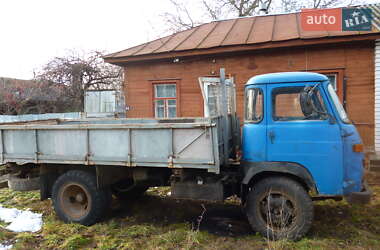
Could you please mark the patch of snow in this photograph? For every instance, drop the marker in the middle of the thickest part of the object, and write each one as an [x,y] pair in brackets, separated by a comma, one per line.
[20,221]
[5,247]
[169,193]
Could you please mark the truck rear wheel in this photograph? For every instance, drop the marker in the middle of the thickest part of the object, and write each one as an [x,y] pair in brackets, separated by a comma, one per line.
[77,199]
[279,208]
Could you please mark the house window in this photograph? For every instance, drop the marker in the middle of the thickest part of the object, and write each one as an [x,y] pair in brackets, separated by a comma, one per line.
[211,91]
[336,78]
[213,99]
[165,100]
[333,79]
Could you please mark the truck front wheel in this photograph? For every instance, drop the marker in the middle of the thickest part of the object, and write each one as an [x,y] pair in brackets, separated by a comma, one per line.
[76,198]
[279,208]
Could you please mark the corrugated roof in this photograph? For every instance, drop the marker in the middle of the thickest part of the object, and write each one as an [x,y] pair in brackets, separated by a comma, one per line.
[233,32]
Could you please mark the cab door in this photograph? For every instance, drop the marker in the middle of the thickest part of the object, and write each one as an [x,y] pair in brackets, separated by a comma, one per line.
[312,141]
[255,125]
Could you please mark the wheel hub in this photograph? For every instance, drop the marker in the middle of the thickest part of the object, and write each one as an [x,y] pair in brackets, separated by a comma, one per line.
[277,211]
[75,200]
[79,198]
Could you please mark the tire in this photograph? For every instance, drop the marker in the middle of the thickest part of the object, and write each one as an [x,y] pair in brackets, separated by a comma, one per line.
[77,199]
[279,208]
[23,184]
[127,190]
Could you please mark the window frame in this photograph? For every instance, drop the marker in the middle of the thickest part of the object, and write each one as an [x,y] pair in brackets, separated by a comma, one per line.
[154,83]
[205,82]
[260,90]
[339,72]
[336,80]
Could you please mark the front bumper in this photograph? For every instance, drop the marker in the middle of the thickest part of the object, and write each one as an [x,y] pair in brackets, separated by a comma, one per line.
[362,197]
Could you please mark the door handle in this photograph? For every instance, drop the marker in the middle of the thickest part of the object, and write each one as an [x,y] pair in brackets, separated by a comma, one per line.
[272,136]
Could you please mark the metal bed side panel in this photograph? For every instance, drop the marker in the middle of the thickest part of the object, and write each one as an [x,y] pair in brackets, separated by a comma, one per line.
[179,145]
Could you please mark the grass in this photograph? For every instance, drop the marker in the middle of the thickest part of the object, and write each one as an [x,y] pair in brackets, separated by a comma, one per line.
[158,222]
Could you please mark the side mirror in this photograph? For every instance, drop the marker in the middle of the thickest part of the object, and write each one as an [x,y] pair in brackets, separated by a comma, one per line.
[307,106]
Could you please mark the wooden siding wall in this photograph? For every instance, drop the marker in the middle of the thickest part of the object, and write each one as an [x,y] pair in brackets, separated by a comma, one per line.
[355,60]
[377,96]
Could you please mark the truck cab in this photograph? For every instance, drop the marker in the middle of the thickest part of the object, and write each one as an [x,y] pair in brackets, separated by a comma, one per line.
[297,118]
[296,128]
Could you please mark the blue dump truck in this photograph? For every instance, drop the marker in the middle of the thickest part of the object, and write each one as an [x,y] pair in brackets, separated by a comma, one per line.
[297,145]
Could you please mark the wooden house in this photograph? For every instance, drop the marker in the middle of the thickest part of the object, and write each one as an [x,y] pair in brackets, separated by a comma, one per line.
[162,77]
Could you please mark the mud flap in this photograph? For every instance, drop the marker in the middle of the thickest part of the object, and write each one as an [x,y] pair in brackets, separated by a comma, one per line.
[360,198]
[48,175]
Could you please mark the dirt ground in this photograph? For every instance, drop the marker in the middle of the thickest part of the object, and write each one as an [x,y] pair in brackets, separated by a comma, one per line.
[156,221]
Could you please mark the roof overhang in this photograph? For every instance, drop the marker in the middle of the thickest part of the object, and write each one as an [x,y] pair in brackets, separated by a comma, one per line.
[122,61]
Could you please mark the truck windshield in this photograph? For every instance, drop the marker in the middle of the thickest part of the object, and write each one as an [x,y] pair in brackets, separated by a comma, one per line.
[339,107]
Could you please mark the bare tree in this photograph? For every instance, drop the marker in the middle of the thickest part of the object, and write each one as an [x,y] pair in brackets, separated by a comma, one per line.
[234,8]
[296,5]
[180,18]
[77,73]
[59,86]
[185,17]
[28,96]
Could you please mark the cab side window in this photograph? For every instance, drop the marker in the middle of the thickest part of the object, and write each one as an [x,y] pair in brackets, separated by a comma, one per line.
[254,105]
[286,105]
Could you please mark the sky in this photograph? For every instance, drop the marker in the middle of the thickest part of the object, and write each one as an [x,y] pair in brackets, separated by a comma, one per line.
[34,31]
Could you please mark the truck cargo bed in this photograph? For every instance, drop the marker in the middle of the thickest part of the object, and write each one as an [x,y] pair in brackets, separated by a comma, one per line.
[173,143]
